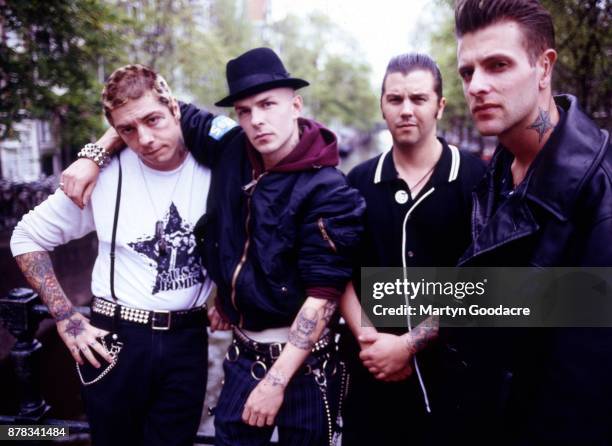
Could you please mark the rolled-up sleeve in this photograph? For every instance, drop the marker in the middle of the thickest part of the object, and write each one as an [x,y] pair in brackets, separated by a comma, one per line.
[329,237]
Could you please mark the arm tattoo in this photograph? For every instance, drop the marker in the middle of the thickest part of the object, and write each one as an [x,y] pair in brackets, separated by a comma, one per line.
[542,124]
[64,312]
[423,334]
[303,327]
[38,270]
[276,378]
[75,327]
[328,311]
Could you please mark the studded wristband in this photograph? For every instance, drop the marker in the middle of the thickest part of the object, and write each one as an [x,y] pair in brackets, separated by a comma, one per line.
[96,153]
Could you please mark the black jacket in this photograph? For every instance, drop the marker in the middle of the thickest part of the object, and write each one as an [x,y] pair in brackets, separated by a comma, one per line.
[560,215]
[438,230]
[435,234]
[270,240]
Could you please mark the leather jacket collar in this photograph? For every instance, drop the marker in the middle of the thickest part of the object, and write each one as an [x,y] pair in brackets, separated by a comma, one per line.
[569,157]
[554,182]
[556,176]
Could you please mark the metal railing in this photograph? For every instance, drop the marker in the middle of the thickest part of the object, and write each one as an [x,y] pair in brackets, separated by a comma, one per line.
[17,198]
[21,313]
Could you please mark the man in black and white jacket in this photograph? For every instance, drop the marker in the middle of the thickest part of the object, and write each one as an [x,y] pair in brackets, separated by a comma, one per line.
[417,215]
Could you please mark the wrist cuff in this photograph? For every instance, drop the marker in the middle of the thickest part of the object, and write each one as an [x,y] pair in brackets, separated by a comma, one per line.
[95,153]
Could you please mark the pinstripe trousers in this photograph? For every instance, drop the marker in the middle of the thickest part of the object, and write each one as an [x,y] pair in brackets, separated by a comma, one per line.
[302,419]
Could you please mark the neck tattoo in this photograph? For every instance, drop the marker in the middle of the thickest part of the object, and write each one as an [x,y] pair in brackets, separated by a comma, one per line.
[542,124]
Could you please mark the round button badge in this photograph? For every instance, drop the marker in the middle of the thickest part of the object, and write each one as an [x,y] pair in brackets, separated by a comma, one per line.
[401,196]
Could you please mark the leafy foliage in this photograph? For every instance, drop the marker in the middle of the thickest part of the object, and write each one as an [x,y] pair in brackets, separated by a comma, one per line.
[55,54]
[340,92]
[584,45]
[49,57]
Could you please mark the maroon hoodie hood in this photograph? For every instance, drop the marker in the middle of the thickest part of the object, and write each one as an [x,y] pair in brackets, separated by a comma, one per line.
[317,147]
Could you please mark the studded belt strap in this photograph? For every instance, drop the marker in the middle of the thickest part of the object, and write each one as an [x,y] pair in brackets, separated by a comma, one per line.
[272,349]
[105,311]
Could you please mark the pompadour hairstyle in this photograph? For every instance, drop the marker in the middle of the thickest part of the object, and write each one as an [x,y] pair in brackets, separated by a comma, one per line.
[534,20]
[406,63]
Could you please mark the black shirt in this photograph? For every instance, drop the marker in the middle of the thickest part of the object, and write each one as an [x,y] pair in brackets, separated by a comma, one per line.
[438,218]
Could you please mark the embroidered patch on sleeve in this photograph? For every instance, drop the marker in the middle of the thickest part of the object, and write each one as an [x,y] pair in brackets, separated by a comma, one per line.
[220,126]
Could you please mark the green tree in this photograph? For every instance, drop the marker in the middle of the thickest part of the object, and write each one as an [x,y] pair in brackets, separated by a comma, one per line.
[55,55]
[204,36]
[340,91]
[444,50]
[182,39]
[188,42]
[49,58]
[224,33]
[584,44]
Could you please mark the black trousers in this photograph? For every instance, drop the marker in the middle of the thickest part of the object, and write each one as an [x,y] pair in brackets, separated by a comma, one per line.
[385,413]
[394,413]
[155,394]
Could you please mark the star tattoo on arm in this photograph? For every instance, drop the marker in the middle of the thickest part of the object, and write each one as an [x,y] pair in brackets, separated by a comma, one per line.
[75,327]
[542,124]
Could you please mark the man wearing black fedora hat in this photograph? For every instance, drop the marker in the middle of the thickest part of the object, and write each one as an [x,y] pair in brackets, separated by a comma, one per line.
[257,70]
[277,238]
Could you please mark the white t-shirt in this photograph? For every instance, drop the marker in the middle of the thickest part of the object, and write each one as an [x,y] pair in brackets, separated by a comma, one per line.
[144,277]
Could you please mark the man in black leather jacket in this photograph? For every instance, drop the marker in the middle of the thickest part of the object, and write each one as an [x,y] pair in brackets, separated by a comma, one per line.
[545,201]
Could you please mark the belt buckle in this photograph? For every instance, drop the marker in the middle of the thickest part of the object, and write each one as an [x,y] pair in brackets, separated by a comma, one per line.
[275,349]
[165,327]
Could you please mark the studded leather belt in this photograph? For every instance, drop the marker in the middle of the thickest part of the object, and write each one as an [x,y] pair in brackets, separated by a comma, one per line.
[263,354]
[103,311]
[272,350]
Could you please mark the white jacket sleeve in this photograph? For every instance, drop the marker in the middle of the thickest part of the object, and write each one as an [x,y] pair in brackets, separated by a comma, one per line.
[54,222]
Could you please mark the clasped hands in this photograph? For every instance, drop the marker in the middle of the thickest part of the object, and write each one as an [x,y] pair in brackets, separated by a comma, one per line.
[387,356]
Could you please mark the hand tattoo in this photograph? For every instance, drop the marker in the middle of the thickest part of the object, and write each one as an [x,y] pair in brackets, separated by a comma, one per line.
[542,124]
[305,324]
[276,378]
[75,327]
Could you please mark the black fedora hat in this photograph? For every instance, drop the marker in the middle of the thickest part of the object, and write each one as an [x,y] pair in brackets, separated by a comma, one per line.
[257,70]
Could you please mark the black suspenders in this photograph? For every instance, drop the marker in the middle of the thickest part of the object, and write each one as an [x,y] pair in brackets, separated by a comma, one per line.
[112,251]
